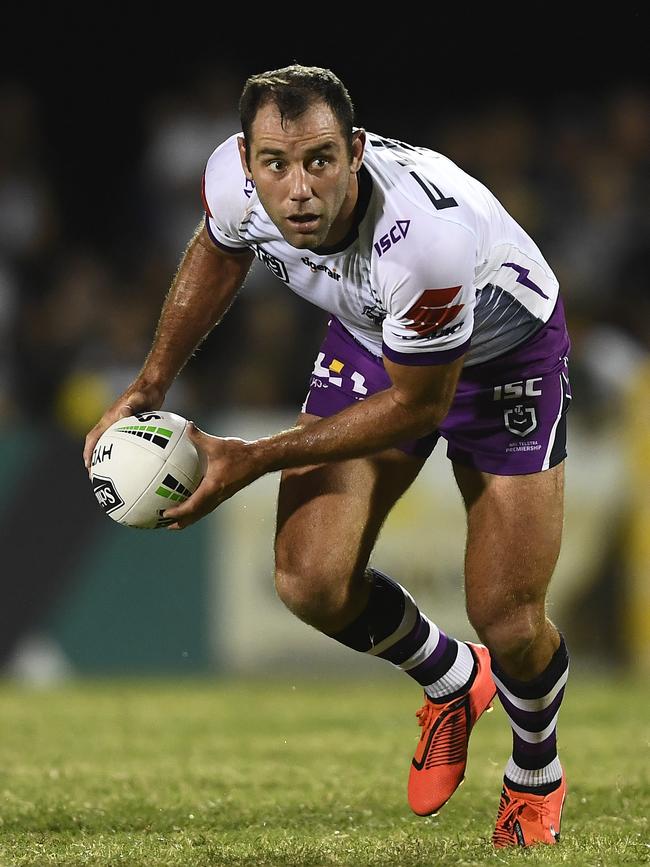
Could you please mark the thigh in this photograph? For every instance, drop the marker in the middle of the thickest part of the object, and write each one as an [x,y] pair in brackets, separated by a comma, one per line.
[514,532]
[329,515]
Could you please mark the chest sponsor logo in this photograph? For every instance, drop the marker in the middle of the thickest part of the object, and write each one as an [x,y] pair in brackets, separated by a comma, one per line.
[395,234]
[432,310]
[521,420]
[315,268]
[275,266]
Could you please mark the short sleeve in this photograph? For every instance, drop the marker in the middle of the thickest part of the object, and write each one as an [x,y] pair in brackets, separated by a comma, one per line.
[428,292]
[226,192]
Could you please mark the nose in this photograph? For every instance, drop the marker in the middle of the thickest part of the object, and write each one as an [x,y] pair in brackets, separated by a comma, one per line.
[300,189]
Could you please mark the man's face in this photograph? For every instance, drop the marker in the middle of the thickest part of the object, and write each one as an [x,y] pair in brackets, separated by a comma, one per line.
[304,174]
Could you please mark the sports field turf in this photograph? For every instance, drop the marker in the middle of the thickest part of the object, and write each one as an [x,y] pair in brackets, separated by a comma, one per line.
[294,772]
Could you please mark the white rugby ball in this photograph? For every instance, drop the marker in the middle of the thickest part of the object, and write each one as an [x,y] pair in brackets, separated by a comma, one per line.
[142,465]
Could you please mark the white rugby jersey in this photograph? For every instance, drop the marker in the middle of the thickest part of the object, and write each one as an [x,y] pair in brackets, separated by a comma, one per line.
[432,268]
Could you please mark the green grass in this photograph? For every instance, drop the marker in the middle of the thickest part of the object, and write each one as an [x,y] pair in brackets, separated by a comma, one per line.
[294,772]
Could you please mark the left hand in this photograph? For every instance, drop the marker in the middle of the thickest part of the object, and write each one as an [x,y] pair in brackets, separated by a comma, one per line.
[229,468]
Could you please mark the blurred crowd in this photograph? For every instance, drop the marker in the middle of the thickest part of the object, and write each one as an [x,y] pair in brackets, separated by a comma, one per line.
[78,311]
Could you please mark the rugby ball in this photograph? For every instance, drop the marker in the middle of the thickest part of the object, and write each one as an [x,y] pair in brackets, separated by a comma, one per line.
[142,465]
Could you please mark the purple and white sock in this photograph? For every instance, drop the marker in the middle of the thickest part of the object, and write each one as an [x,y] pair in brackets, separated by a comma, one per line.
[533,707]
[393,628]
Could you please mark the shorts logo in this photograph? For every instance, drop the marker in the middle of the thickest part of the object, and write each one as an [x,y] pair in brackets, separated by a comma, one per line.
[520,421]
[520,388]
[333,374]
[106,494]
[431,311]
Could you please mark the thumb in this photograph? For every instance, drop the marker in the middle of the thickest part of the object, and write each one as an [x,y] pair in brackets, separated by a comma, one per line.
[125,410]
[195,433]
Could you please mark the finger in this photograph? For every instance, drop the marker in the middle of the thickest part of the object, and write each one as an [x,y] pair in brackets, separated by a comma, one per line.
[195,433]
[195,507]
[123,411]
[90,443]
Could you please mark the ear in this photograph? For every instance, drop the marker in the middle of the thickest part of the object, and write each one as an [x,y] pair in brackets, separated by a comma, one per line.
[358,148]
[241,144]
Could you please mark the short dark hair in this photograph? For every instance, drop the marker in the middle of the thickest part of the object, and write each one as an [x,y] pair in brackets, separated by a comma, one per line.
[294,89]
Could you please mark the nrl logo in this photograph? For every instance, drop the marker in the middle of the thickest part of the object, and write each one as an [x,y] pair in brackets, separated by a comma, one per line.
[520,421]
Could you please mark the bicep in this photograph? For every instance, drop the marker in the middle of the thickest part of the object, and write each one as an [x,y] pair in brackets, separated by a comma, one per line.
[229,268]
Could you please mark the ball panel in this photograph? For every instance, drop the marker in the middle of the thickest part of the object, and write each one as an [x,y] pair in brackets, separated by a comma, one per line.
[158,432]
[121,470]
[170,487]
[186,458]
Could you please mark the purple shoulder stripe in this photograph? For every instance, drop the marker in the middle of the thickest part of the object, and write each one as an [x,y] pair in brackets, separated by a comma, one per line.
[217,243]
[424,358]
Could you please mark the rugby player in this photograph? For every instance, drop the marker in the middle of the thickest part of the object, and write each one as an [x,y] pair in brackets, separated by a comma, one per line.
[445,322]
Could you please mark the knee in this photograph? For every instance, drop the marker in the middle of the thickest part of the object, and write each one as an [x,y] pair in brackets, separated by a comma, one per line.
[312,594]
[509,627]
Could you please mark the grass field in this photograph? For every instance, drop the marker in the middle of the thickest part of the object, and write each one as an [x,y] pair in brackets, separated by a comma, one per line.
[294,772]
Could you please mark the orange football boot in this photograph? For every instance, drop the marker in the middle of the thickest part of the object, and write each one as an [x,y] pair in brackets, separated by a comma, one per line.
[438,766]
[526,820]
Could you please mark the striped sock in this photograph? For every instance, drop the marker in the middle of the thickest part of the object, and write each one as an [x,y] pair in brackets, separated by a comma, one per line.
[533,707]
[393,628]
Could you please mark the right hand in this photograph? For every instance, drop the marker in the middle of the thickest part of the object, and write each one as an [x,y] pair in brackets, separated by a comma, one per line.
[135,399]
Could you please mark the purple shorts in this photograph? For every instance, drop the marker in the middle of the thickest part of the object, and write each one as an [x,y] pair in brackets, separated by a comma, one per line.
[508,416]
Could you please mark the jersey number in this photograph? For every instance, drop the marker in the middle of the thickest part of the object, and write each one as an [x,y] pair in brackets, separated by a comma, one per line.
[439,201]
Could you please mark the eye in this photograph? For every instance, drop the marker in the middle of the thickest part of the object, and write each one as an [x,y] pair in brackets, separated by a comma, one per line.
[320,162]
[275,165]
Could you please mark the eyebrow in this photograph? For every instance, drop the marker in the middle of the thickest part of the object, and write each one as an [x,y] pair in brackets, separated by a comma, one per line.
[278,152]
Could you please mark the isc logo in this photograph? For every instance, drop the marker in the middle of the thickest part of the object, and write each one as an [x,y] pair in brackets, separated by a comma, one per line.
[522,388]
[395,234]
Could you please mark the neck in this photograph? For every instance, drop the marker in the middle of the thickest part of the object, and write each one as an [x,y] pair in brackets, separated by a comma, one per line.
[343,222]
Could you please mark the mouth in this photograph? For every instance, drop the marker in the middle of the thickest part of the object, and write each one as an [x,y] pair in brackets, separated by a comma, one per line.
[304,223]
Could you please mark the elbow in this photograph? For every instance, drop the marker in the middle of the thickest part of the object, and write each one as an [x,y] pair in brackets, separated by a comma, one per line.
[422,416]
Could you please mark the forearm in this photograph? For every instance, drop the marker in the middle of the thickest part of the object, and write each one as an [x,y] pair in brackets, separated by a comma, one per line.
[376,423]
[415,404]
[202,290]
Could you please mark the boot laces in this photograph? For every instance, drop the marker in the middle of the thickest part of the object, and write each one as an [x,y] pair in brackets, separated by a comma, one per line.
[512,811]
[424,714]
